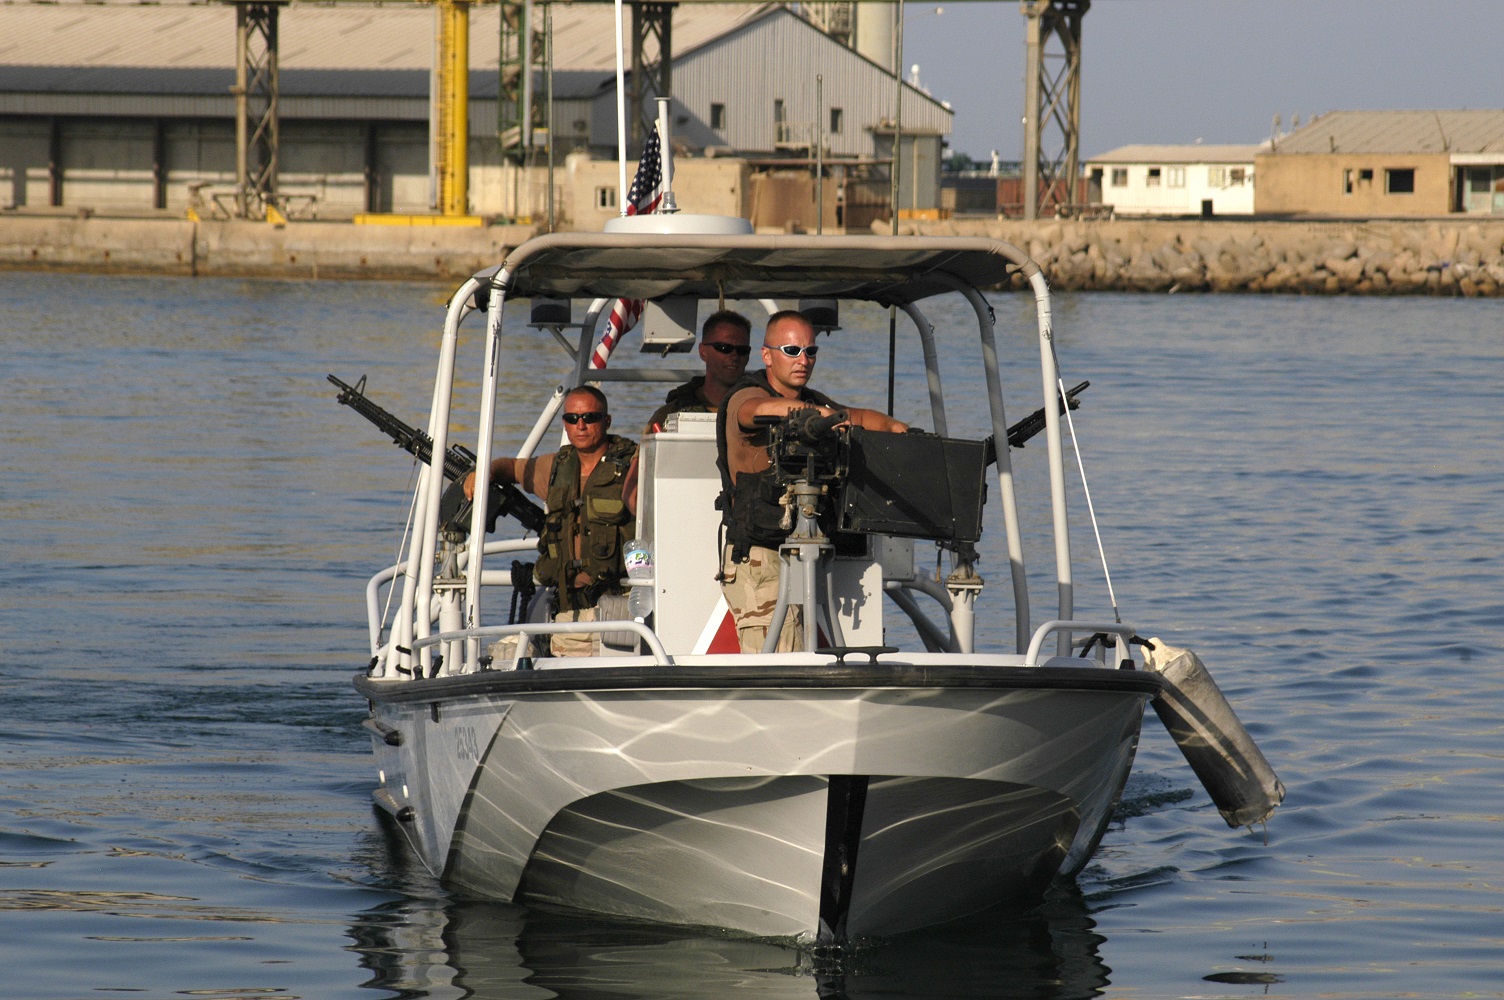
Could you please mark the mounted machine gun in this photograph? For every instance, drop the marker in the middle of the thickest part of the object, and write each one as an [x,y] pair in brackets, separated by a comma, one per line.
[454,509]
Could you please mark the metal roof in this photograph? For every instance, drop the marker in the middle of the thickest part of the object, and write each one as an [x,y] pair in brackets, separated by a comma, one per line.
[217,82]
[343,36]
[1191,153]
[890,270]
[1398,132]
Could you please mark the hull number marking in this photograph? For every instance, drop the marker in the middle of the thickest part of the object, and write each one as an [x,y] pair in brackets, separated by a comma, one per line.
[467,744]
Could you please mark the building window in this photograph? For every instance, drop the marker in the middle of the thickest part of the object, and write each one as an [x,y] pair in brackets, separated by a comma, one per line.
[605,198]
[1216,177]
[1237,175]
[1119,177]
[1175,177]
[837,121]
[1151,179]
[718,117]
[1399,180]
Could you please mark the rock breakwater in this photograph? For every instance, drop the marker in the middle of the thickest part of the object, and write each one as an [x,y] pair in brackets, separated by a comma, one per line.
[1388,257]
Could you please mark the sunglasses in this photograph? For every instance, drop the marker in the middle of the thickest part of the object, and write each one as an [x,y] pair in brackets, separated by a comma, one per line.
[743,350]
[593,417]
[794,350]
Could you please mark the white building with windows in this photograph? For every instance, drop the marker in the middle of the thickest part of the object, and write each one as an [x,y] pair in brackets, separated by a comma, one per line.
[1174,180]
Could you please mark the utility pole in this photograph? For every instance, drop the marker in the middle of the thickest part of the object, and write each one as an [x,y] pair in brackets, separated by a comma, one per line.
[256,109]
[652,73]
[524,46]
[1052,104]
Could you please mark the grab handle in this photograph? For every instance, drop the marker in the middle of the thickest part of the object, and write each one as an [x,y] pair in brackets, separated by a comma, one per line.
[1031,658]
[527,630]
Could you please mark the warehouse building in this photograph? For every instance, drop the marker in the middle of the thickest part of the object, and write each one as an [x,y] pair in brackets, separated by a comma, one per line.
[128,109]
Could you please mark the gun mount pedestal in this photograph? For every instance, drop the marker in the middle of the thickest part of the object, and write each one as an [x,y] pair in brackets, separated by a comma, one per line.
[805,578]
[809,454]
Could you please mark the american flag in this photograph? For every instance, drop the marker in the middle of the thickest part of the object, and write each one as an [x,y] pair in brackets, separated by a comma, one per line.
[643,198]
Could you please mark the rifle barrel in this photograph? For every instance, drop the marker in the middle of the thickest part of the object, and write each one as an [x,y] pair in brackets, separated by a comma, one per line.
[1032,424]
[458,461]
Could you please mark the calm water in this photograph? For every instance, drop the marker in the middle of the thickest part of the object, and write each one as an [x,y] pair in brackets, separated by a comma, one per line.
[1307,491]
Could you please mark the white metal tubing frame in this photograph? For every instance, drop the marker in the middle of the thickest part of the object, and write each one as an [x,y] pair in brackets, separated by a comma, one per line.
[486,423]
[540,427]
[931,367]
[438,431]
[400,654]
[373,585]
[1004,461]
[1051,377]
[530,629]
[927,629]
[430,486]
[587,337]
[1059,627]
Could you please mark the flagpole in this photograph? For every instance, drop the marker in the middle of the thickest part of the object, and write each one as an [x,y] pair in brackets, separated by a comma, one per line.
[666,156]
[621,116]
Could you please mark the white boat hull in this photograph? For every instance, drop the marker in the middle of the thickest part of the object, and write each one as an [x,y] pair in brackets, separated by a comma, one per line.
[796,807]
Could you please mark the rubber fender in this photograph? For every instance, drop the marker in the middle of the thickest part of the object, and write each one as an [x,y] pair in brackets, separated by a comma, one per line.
[1230,765]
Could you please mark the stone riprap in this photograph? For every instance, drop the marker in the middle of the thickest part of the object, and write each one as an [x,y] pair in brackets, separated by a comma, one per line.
[1385,257]
[1462,256]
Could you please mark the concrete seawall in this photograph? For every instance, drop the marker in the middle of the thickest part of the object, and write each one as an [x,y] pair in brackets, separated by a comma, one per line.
[252,249]
[1388,257]
[1385,257]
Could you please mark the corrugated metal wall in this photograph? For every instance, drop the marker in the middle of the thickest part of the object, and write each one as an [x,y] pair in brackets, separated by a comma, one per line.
[135,151]
[773,59]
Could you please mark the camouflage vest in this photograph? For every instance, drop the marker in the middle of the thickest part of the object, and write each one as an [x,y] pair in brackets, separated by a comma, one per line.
[686,398]
[596,517]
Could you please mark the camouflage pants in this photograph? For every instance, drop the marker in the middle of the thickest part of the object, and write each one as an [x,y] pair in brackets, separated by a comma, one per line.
[589,644]
[751,590]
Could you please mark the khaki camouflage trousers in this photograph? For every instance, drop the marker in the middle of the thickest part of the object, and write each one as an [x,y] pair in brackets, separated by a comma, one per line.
[580,644]
[751,589]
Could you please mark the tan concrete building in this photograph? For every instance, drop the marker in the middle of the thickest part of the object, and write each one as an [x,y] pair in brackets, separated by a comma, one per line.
[1386,164]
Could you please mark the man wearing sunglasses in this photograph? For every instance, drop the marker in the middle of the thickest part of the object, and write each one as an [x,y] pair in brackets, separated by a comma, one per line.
[588,518]
[750,496]
[725,346]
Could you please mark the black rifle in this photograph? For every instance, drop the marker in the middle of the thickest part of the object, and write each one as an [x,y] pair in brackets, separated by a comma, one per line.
[1031,425]
[454,511]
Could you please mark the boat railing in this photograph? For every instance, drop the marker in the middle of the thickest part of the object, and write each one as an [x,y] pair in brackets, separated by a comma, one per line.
[528,630]
[1031,657]
[374,617]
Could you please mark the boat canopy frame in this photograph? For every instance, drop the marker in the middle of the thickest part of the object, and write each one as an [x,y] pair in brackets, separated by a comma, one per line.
[889,271]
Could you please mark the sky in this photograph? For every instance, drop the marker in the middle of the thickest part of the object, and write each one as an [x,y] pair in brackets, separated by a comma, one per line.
[1218,71]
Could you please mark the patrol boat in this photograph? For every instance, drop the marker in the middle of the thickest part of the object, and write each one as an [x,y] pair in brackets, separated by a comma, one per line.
[894,774]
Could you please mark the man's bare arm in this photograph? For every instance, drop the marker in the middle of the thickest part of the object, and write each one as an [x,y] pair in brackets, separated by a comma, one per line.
[747,412]
[876,420]
[531,475]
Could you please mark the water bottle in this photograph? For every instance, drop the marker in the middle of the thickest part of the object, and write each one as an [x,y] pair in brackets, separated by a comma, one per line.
[639,560]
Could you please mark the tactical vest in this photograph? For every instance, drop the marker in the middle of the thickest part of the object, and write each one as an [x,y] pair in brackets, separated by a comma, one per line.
[751,508]
[686,398]
[599,519]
